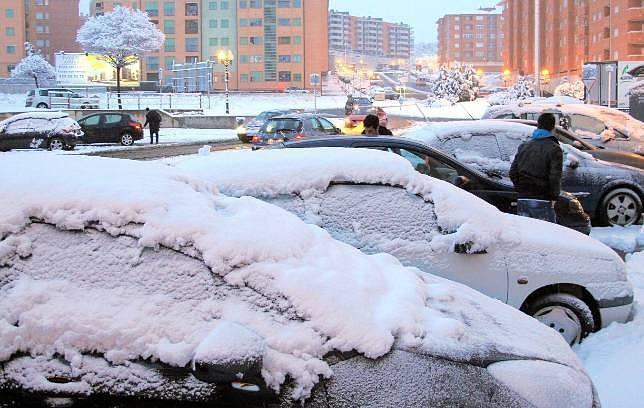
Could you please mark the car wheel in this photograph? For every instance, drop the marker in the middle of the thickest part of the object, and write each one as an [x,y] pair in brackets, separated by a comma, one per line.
[621,206]
[42,105]
[127,139]
[56,143]
[568,315]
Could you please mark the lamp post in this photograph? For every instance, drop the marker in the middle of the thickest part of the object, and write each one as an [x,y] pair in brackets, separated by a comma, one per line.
[225,57]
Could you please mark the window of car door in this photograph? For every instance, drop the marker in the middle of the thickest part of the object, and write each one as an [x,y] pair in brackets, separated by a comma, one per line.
[428,165]
[327,126]
[314,126]
[510,140]
[586,123]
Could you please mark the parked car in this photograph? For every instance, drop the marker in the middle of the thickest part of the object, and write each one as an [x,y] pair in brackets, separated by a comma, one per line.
[427,160]
[33,130]
[50,98]
[293,126]
[145,292]
[247,130]
[111,127]
[601,153]
[296,90]
[377,202]
[610,193]
[599,125]
[357,116]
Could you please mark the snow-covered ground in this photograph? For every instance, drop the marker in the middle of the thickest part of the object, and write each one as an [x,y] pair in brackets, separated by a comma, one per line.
[614,356]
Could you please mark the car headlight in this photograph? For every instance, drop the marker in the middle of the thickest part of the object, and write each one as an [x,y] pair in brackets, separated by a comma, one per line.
[545,384]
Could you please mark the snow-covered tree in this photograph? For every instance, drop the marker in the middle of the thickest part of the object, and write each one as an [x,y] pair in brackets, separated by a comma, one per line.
[457,84]
[33,66]
[522,89]
[121,37]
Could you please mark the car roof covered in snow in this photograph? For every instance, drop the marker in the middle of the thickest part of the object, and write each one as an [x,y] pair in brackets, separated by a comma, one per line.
[441,131]
[46,115]
[377,303]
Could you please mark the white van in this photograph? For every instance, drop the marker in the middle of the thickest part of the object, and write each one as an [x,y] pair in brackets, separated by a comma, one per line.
[51,98]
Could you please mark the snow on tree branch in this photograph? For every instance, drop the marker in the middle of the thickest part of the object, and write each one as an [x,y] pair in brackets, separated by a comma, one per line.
[33,66]
[122,36]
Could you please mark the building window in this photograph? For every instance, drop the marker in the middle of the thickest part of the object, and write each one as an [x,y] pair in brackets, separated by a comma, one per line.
[284,76]
[168,27]
[283,40]
[152,8]
[10,13]
[225,41]
[152,63]
[255,4]
[284,59]
[169,45]
[212,23]
[192,9]
[296,22]
[42,43]
[284,21]
[297,77]
[224,23]
[284,3]
[243,59]
[10,31]
[213,42]
[42,29]
[256,76]
[243,78]
[168,8]
[41,2]
[192,27]
[296,58]
[11,67]
[255,22]
[256,59]
[297,39]
[192,44]
[243,40]
[255,40]
[168,62]
[297,4]
[42,16]
[224,5]
[243,22]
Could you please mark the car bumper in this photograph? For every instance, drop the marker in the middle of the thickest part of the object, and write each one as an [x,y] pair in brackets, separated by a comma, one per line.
[617,310]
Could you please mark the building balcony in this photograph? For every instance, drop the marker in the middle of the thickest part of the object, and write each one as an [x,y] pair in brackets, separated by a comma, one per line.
[635,37]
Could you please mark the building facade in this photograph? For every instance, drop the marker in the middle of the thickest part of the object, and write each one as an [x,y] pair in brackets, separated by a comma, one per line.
[50,25]
[570,33]
[471,39]
[369,37]
[275,43]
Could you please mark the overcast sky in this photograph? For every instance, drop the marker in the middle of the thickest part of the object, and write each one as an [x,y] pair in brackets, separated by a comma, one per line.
[420,14]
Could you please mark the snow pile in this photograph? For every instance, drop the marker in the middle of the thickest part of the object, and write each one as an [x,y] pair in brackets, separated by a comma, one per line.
[625,239]
[614,357]
[256,292]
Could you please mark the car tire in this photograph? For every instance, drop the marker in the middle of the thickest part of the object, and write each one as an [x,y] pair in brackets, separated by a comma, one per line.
[621,206]
[42,105]
[127,139]
[56,143]
[565,313]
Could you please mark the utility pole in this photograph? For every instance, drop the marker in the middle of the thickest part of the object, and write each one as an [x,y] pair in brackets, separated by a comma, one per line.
[537,45]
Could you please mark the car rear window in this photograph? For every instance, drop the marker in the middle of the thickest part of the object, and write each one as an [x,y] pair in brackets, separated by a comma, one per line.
[277,125]
[31,93]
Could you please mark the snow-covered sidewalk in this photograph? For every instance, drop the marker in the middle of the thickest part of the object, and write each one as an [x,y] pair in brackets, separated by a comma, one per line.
[614,356]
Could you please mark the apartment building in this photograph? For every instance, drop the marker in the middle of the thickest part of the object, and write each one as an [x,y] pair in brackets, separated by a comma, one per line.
[50,25]
[570,33]
[275,43]
[369,36]
[12,35]
[471,39]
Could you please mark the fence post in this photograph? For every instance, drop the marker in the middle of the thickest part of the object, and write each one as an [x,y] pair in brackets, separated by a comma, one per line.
[170,96]
[138,101]
[108,99]
[200,101]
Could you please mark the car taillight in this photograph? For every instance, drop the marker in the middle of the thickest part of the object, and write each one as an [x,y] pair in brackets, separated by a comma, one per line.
[255,139]
[134,124]
[299,136]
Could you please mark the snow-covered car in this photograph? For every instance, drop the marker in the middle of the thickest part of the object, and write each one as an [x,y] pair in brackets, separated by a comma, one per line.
[599,125]
[246,131]
[52,98]
[611,193]
[133,284]
[377,202]
[45,130]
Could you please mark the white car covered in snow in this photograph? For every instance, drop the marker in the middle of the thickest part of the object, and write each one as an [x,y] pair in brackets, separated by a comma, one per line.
[377,202]
[134,281]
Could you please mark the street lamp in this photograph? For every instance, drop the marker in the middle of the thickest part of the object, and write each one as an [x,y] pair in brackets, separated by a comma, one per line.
[225,57]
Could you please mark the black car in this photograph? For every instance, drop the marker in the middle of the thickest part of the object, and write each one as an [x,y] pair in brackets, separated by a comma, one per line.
[247,130]
[294,126]
[434,163]
[39,130]
[111,127]
[598,152]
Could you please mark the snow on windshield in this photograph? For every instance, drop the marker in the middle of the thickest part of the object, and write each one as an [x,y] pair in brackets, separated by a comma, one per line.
[166,309]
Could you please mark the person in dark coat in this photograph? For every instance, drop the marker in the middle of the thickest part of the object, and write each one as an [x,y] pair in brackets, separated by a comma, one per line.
[348,106]
[537,166]
[153,117]
[372,127]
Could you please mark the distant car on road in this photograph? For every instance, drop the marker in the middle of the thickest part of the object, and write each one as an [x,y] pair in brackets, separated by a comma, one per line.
[45,130]
[296,90]
[111,127]
[246,131]
[50,98]
[294,126]
[356,118]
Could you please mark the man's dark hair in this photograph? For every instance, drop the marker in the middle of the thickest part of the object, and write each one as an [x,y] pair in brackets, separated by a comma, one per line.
[546,121]
[371,121]
[147,109]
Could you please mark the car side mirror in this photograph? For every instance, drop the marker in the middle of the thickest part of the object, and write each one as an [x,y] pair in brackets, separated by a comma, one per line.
[466,248]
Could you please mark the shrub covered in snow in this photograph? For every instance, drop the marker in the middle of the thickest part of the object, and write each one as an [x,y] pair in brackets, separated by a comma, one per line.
[458,84]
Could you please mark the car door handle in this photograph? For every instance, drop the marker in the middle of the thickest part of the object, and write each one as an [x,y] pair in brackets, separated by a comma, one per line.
[522,280]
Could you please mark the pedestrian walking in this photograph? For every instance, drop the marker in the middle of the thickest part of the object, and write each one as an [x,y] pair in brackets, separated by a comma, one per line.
[372,127]
[153,118]
[536,171]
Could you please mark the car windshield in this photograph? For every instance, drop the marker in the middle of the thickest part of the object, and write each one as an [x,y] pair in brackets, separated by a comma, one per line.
[280,125]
